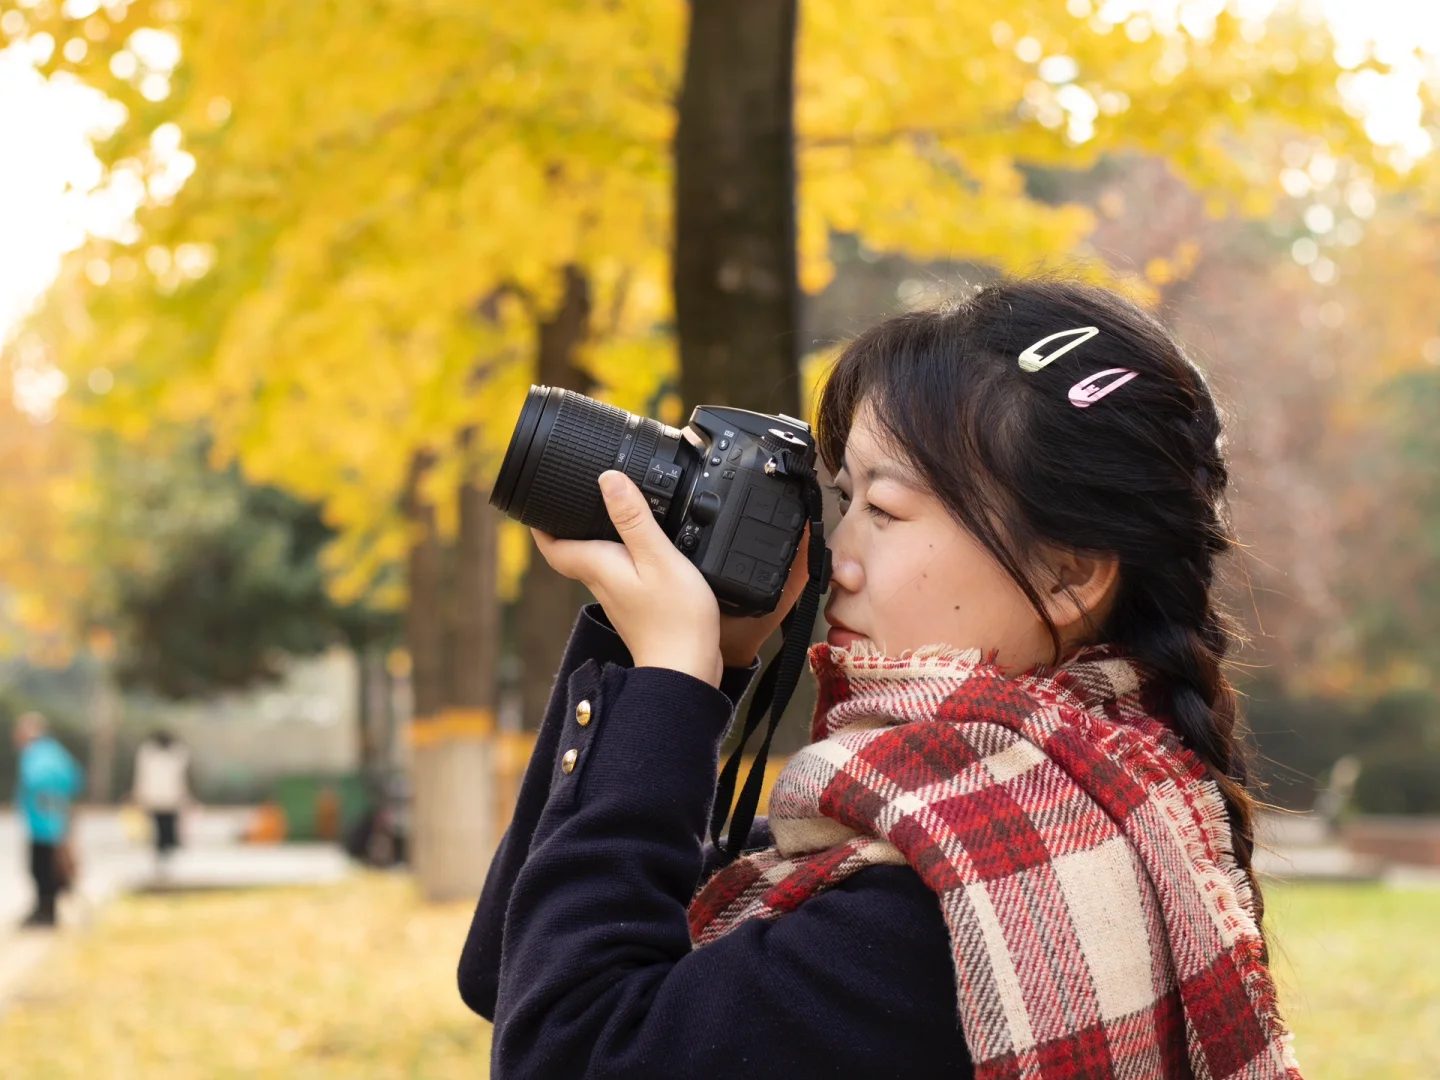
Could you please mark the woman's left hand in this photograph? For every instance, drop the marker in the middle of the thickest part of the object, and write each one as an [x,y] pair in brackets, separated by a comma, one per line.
[742,635]
[657,600]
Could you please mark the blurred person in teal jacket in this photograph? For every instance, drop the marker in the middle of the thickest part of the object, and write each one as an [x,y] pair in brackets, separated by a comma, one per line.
[47,781]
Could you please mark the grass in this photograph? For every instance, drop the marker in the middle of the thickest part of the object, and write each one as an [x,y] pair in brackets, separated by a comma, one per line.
[357,981]
[1358,968]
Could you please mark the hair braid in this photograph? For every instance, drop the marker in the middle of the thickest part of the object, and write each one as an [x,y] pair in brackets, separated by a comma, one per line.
[1190,652]
[1173,623]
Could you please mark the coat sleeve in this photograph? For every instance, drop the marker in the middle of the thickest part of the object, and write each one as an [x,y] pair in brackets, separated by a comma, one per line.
[593,646]
[597,976]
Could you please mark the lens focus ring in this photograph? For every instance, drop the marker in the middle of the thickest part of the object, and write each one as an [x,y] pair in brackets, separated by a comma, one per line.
[564,499]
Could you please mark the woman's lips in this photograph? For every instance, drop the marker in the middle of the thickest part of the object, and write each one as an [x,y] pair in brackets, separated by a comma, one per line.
[841,636]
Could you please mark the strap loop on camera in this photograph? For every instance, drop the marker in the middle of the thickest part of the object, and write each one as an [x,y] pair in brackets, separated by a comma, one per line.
[777,682]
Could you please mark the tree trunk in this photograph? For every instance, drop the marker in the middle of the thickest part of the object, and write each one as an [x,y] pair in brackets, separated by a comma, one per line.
[548,602]
[454,757]
[104,720]
[375,720]
[424,613]
[431,808]
[736,292]
[475,625]
[737,295]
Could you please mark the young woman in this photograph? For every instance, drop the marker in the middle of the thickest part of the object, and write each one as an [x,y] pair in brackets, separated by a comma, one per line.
[1019,844]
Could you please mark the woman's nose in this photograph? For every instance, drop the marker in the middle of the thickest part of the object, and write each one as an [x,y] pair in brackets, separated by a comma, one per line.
[845,569]
[846,573]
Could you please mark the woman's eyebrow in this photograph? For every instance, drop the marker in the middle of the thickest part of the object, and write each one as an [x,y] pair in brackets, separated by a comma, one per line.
[882,470]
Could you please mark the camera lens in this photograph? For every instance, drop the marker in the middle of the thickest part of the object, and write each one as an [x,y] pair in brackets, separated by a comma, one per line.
[563,441]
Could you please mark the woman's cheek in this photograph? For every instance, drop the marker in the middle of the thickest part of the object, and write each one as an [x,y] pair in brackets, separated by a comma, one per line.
[916,613]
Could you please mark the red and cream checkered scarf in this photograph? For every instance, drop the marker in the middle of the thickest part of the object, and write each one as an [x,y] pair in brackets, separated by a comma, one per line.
[1099,924]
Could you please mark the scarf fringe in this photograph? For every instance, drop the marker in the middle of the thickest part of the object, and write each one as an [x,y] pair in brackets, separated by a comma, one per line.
[1217,816]
[867,657]
[1249,942]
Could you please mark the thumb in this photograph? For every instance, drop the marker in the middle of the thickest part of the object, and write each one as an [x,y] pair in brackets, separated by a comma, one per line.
[630,514]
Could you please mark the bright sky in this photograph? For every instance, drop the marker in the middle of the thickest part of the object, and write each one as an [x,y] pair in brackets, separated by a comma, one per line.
[50,200]
[46,166]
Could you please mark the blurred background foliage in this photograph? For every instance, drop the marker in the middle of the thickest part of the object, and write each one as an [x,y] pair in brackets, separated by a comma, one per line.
[344,239]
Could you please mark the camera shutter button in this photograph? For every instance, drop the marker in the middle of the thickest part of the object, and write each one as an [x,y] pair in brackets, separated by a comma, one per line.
[705,507]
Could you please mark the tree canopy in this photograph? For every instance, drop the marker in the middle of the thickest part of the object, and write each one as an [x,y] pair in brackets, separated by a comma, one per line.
[354,219]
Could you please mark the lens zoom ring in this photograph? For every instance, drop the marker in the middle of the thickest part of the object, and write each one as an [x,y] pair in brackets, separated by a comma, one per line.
[564,499]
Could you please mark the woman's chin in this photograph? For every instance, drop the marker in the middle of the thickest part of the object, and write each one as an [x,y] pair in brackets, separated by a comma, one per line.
[843,639]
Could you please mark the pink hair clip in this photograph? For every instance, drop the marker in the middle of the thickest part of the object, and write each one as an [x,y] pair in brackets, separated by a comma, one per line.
[1086,392]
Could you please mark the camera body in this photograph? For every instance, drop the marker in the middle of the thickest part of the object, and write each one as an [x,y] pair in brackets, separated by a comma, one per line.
[719,488]
[741,525]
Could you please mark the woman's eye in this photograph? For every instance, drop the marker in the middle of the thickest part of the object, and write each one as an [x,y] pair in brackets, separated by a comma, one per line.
[870,508]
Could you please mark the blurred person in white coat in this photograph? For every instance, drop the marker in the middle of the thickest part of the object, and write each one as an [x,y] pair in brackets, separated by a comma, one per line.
[162,789]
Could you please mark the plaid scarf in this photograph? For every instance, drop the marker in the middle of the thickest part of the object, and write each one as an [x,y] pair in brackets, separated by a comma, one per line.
[1099,924]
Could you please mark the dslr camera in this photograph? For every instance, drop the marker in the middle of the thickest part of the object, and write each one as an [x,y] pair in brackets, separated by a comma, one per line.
[728,489]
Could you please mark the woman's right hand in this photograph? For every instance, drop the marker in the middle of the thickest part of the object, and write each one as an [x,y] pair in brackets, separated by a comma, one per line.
[658,602]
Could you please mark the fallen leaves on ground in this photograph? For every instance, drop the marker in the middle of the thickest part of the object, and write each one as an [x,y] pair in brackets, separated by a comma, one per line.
[350,981]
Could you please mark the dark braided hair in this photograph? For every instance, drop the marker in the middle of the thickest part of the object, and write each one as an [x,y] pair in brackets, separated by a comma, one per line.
[1139,475]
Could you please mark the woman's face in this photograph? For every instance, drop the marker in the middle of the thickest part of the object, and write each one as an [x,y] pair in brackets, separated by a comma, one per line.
[906,575]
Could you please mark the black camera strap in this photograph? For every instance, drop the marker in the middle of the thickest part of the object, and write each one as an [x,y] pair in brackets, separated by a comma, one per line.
[777,682]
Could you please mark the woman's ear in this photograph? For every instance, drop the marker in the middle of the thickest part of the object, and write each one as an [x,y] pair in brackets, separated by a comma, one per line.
[1081,593]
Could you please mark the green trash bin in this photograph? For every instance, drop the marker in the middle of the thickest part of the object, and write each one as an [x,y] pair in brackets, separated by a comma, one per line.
[301,796]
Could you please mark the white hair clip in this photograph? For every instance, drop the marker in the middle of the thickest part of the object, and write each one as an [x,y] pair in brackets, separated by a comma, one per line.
[1085,392]
[1032,360]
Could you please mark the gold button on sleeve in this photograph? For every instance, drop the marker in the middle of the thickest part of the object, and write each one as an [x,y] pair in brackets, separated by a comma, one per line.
[567,763]
[582,713]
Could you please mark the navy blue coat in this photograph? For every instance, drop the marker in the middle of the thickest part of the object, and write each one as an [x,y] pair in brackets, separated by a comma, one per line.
[580,951]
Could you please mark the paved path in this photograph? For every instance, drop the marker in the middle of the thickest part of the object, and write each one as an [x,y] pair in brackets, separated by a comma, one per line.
[1299,847]
[112,863]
